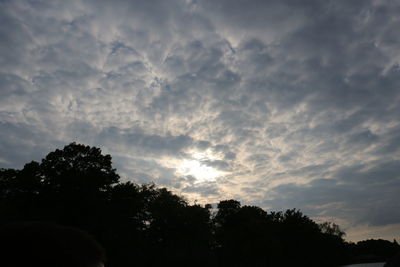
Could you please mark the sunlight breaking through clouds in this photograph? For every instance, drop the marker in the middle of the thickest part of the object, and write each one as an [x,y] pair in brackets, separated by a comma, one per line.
[201,172]
[200,166]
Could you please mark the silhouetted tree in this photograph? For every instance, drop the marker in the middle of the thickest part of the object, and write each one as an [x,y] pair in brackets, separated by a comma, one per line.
[142,225]
[373,250]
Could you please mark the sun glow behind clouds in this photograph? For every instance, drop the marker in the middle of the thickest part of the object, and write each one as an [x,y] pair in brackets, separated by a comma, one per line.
[195,166]
[198,170]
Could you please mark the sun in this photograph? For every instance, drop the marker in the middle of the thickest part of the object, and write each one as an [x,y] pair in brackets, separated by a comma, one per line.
[198,170]
[195,166]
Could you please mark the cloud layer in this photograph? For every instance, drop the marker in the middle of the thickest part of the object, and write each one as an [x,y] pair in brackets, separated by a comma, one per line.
[292,103]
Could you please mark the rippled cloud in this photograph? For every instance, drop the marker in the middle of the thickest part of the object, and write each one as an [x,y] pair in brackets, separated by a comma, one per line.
[280,104]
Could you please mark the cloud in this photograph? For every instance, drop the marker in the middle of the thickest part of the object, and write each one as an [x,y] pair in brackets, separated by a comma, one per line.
[202,190]
[363,194]
[296,103]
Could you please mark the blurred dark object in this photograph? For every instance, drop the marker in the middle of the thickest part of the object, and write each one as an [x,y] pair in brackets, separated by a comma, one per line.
[45,244]
[394,261]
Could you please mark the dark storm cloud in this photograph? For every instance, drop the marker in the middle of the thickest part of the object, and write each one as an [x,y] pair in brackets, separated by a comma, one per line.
[295,102]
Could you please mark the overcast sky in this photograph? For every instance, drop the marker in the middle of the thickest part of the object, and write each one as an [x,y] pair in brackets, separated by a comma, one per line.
[276,103]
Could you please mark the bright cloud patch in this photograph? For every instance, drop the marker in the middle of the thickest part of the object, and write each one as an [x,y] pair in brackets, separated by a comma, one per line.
[195,168]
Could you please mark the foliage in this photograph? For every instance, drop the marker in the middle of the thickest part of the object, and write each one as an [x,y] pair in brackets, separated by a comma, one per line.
[143,225]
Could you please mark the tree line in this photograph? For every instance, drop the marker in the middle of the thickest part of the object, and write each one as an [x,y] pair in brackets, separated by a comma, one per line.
[144,225]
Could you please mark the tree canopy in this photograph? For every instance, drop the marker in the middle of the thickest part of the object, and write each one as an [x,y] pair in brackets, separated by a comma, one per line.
[144,225]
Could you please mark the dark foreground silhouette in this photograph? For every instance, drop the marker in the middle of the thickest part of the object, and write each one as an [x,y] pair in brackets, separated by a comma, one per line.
[393,261]
[142,225]
[47,245]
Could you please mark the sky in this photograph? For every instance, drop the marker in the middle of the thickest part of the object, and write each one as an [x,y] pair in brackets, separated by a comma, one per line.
[276,103]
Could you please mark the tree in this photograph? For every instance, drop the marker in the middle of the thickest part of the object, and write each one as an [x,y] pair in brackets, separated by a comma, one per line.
[77,186]
[178,232]
[78,167]
[19,192]
[69,185]
[331,229]
[226,209]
